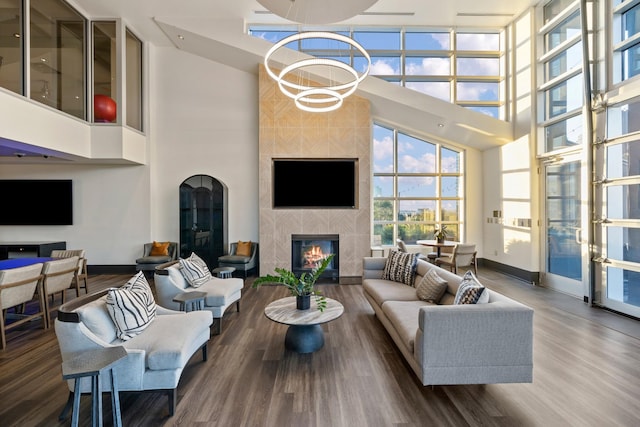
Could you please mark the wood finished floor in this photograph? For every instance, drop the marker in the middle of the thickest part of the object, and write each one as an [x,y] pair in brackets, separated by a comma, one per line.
[586,373]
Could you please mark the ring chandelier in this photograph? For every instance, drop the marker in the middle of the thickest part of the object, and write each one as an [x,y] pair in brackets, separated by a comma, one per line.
[316,99]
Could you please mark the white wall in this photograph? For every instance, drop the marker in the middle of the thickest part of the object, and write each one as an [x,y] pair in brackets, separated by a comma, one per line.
[204,121]
[110,210]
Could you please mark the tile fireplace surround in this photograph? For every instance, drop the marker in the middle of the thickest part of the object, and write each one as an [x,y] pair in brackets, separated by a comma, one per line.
[287,132]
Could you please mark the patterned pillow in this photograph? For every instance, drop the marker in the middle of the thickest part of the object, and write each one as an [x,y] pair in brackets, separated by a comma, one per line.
[131,307]
[195,270]
[400,267]
[470,291]
[432,287]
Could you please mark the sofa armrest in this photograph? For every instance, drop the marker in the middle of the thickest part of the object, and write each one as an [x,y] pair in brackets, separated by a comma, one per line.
[372,267]
[493,334]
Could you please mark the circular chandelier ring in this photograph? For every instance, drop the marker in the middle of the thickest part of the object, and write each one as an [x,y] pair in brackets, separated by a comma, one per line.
[284,84]
[319,35]
[329,96]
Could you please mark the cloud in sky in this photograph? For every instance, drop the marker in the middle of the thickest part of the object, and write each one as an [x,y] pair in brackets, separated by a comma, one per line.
[428,66]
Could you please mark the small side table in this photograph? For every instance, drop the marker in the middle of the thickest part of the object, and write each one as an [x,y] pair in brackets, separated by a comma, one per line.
[190,301]
[93,364]
[223,272]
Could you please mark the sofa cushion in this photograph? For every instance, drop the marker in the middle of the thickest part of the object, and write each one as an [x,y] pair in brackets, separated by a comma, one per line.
[243,248]
[385,290]
[131,307]
[471,291]
[168,339]
[195,270]
[159,249]
[403,315]
[400,267]
[95,316]
[153,259]
[234,259]
[432,287]
[220,290]
[176,276]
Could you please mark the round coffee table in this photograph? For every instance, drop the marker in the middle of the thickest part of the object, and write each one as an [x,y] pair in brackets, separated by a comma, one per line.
[223,272]
[305,335]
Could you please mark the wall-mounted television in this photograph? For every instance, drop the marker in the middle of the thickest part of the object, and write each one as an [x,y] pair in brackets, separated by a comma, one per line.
[315,183]
[36,202]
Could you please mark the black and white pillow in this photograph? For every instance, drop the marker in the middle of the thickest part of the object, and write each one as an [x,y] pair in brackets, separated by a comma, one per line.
[432,287]
[400,267]
[471,291]
[131,307]
[195,270]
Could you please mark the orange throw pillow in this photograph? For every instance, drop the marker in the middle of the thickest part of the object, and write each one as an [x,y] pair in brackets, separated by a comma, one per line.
[243,248]
[160,249]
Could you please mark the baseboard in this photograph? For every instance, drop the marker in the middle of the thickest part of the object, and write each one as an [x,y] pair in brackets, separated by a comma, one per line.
[518,273]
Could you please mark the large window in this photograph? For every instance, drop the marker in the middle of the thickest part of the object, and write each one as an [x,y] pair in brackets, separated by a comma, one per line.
[11,58]
[463,67]
[58,56]
[626,43]
[561,85]
[133,48]
[416,186]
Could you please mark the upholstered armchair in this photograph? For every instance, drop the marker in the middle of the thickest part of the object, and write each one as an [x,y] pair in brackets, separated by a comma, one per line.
[463,255]
[156,253]
[240,262]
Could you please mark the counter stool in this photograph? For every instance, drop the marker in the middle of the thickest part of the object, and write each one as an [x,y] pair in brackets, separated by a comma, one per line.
[223,272]
[93,364]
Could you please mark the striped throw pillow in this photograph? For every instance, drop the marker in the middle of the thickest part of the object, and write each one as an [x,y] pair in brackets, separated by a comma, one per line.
[132,307]
[195,270]
[470,291]
[400,267]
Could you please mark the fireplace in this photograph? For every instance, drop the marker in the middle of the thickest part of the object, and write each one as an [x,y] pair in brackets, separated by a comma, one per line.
[307,250]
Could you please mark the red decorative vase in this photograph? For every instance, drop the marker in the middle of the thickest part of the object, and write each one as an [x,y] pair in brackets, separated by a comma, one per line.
[104,109]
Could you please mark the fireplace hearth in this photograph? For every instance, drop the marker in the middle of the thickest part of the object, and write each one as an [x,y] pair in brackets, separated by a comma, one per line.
[307,250]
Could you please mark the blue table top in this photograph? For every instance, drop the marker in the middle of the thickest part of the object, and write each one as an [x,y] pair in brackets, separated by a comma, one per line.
[7,264]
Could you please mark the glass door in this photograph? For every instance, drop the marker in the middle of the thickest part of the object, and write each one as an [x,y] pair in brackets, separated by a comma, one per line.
[566,259]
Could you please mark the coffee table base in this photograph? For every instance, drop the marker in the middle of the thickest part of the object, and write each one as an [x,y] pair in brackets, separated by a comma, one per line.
[304,338]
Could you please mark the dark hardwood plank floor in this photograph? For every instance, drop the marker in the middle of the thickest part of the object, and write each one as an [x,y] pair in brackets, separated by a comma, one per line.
[586,373]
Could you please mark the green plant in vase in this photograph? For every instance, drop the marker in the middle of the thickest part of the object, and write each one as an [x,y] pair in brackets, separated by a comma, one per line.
[441,234]
[299,286]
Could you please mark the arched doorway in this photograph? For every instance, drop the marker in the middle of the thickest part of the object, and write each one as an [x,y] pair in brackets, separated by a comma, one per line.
[203,218]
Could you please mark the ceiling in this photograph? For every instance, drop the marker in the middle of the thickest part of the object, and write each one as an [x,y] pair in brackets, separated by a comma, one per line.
[145,18]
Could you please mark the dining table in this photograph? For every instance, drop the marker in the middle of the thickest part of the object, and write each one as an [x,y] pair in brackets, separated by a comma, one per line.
[437,245]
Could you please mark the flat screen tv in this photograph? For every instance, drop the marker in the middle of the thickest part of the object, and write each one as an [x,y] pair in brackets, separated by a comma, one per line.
[315,183]
[36,202]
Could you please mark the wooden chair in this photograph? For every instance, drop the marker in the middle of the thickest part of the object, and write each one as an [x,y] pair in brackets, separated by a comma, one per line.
[17,287]
[82,267]
[57,278]
[463,255]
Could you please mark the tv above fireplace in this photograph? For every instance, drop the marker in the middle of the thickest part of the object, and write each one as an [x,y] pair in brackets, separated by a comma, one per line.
[315,183]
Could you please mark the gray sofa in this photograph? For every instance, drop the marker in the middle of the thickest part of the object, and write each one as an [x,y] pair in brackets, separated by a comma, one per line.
[156,357]
[453,344]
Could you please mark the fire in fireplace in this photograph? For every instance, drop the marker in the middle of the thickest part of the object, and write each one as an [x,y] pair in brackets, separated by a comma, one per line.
[308,250]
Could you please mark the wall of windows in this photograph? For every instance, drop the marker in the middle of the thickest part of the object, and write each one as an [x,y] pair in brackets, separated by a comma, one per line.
[416,185]
[62,46]
[626,39]
[463,67]
[561,86]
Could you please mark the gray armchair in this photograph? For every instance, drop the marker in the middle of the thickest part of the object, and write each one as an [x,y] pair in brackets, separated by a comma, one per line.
[240,262]
[149,262]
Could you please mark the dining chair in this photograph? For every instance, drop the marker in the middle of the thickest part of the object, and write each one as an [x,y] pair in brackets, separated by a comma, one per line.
[57,277]
[18,286]
[82,267]
[463,255]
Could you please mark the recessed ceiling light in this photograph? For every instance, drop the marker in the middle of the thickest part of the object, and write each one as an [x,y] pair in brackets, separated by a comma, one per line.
[440,125]
[16,35]
[180,36]
[43,59]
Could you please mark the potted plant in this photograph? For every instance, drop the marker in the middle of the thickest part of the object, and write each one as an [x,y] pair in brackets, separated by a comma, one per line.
[441,233]
[302,287]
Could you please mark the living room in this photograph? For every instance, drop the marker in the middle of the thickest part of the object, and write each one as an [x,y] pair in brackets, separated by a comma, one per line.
[202,115]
